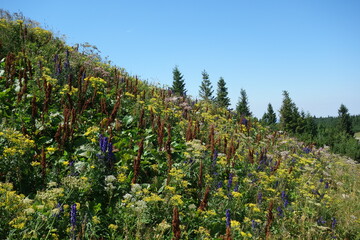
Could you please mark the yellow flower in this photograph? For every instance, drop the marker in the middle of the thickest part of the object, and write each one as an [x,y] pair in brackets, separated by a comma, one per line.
[51,149]
[171,189]
[96,219]
[176,200]
[210,212]
[235,224]
[256,209]
[243,234]
[184,183]
[66,163]
[236,194]
[113,227]
[35,163]
[129,94]
[68,90]
[92,130]
[121,177]
[153,198]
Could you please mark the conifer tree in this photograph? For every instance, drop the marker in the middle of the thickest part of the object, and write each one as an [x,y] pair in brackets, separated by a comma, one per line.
[289,114]
[242,107]
[178,86]
[269,117]
[205,91]
[222,99]
[310,126]
[345,124]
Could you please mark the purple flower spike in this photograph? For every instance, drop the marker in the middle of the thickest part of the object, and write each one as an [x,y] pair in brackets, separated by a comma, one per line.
[103,141]
[333,223]
[228,221]
[230,180]
[73,216]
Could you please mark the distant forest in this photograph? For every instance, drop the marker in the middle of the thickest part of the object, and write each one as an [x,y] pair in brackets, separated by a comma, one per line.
[338,133]
[332,122]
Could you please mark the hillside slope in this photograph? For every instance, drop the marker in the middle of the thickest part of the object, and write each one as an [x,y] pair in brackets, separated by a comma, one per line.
[89,152]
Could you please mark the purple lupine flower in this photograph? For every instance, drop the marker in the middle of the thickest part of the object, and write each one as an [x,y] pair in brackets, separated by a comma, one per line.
[284,197]
[244,121]
[219,185]
[333,223]
[307,150]
[326,185]
[236,188]
[216,153]
[110,148]
[103,141]
[321,221]
[73,216]
[228,221]
[321,180]
[230,180]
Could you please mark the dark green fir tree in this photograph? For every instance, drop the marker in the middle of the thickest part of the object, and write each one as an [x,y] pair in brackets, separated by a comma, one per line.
[345,124]
[289,114]
[205,91]
[178,86]
[269,118]
[242,107]
[222,99]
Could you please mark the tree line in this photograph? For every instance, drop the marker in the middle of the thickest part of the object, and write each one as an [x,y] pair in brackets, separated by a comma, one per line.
[335,132]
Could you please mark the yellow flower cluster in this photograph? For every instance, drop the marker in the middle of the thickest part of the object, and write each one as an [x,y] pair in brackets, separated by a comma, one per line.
[113,227]
[176,200]
[95,81]
[253,207]
[177,173]
[205,233]
[49,79]
[67,90]
[129,94]
[17,142]
[153,198]
[121,177]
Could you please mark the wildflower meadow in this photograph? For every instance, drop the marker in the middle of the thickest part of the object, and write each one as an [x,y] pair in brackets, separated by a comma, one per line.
[88,151]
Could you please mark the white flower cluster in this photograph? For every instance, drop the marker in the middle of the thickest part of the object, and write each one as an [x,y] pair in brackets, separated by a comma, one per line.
[109,182]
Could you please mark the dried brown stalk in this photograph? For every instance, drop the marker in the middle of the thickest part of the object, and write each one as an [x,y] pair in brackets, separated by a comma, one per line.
[176,224]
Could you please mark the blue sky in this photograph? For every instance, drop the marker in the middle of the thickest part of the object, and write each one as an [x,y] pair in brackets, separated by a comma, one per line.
[309,48]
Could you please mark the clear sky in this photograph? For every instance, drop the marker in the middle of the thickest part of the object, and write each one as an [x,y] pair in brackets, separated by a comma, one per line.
[311,48]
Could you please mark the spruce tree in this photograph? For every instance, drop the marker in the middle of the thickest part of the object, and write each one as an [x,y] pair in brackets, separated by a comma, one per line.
[242,107]
[289,114]
[205,91]
[345,124]
[178,86]
[269,118]
[222,99]
[310,126]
